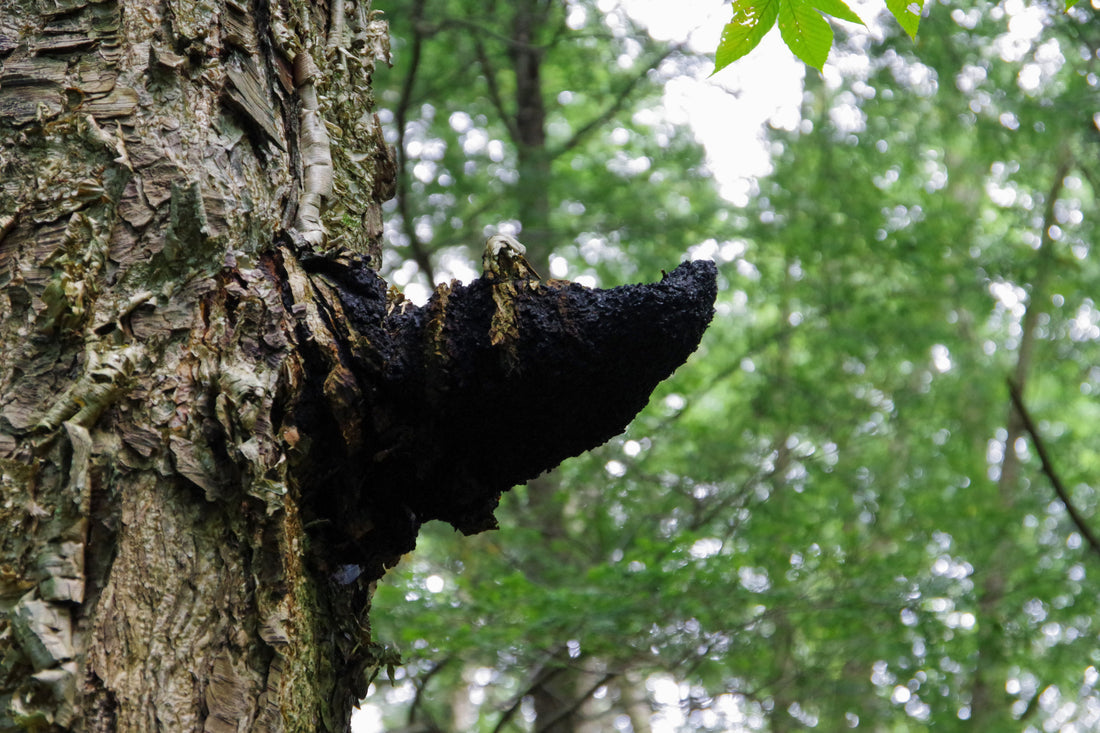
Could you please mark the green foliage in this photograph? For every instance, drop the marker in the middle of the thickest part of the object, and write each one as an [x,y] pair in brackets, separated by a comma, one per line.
[751,22]
[805,32]
[907,14]
[803,29]
[828,517]
[801,23]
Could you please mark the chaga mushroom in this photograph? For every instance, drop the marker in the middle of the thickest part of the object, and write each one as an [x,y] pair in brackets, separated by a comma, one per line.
[417,413]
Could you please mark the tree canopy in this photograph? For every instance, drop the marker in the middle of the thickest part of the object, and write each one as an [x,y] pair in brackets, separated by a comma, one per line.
[834,515]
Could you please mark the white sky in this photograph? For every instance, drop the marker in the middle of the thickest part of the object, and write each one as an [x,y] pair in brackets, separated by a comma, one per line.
[726,111]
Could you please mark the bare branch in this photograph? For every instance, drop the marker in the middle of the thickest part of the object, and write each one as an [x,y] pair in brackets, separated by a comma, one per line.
[575,705]
[1048,468]
[490,75]
[421,686]
[617,104]
[542,676]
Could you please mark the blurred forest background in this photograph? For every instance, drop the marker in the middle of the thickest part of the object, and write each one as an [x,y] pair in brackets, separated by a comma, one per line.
[832,516]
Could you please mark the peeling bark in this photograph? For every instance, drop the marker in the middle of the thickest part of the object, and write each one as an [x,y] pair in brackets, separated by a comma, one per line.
[154,571]
[215,435]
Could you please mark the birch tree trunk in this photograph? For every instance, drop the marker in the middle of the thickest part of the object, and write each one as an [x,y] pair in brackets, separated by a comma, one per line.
[218,426]
[155,574]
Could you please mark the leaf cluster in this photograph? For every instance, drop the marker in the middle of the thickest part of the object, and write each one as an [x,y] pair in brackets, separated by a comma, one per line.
[803,25]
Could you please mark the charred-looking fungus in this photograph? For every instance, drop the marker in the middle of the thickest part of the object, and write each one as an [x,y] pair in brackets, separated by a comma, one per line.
[417,413]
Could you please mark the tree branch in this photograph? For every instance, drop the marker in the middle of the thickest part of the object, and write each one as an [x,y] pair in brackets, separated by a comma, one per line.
[422,685]
[617,104]
[490,75]
[401,112]
[575,705]
[544,675]
[1044,257]
[1048,467]
[1044,265]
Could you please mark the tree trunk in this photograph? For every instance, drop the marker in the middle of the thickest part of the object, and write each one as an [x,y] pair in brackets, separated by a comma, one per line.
[525,49]
[213,439]
[988,708]
[156,574]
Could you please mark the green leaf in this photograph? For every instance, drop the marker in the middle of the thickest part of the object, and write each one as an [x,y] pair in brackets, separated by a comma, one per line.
[805,32]
[1070,4]
[751,21]
[837,9]
[907,13]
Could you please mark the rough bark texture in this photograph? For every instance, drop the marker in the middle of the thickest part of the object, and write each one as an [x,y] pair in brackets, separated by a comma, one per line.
[213,438]
[154,569]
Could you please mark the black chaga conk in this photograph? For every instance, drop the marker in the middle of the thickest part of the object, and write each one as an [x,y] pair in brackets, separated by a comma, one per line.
[431,412]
